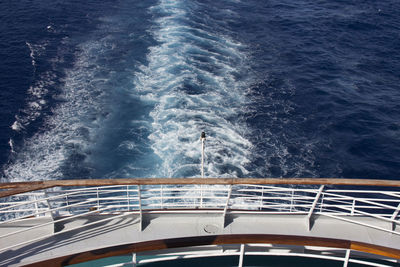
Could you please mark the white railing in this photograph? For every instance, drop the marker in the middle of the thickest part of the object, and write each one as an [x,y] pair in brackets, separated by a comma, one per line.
[65,203]
[239,251]
[381,205]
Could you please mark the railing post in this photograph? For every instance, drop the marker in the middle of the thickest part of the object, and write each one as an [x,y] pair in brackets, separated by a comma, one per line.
[226,206]
[67,202]
[162,196]
[140,208]
[395,213]
[310,212]
[353,207]
[36,207]
[134,260]
[241,255]
[201,196]
[98,200]
[292,200]
[127,197]
[322,202]
[346,258]
[48,205]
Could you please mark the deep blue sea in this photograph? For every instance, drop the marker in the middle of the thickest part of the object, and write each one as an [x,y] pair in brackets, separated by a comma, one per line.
[282,88]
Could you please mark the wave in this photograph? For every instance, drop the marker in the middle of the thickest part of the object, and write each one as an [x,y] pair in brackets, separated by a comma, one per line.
[36,93]
[192,79]
[118,115]
[60,148]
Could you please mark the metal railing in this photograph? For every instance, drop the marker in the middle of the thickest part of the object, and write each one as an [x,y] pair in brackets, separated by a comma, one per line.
[240,251]
[65,203]
[382,205]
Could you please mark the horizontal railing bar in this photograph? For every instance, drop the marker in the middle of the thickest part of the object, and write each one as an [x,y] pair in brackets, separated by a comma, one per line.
[183,198]
[363,191]
[345,198]
[357,206]
[326,203]
[372,215]
[327,200]
[267,193]
[367,201]
[25,210]
[166,191]
[194,200]
[49,197]
[94,187]
[21,187]
[274,188]
[46,211]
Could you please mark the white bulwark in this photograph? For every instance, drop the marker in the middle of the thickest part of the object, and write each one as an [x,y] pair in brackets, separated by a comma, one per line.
[58,223]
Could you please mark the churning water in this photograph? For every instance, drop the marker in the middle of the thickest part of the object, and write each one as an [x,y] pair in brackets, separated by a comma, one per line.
[124,89]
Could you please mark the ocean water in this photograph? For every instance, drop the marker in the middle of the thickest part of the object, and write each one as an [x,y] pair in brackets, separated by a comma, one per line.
[114,89]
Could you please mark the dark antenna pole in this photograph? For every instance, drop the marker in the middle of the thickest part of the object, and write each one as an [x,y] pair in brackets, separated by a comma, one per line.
[203,139]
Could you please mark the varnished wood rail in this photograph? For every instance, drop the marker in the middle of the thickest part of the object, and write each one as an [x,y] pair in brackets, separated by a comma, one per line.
[14,188]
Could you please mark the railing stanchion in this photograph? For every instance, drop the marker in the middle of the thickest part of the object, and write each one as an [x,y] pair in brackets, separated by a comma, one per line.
[67,202]
[395,213]
[140,208]
[36,207]
[241,255]
[346,258]
[310,212]
[162,196]
[353,207]
[227,205]
[48,205]
[134,260]
[291,201]
[322,202]
[201,196]
[127,197]
[98,199]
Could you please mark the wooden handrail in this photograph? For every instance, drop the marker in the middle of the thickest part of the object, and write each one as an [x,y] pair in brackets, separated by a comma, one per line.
[218,240]
[23,187]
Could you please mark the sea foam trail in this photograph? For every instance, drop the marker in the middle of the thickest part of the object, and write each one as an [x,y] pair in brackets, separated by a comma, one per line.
[36,93]
[120,117]
[61,148]
[192,77]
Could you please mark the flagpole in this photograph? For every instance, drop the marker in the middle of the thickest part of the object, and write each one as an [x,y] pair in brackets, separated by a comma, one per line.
[203,139]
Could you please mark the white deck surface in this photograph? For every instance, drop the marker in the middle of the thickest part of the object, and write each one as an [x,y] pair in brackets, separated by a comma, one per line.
[126,230]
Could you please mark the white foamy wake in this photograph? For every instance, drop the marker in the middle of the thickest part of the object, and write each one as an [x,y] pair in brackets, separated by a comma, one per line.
[32,53]
[60,149]
[192,79]
[37,92]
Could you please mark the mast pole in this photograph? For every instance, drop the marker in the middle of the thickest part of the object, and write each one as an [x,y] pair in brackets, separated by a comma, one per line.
[203,139]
